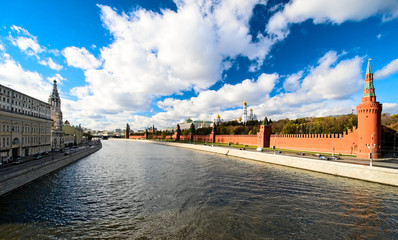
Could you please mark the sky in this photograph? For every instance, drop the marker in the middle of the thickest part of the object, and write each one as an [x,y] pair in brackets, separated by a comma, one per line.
[158,63]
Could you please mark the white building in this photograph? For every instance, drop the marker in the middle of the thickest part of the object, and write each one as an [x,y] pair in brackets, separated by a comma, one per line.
[25,124]
[244,117]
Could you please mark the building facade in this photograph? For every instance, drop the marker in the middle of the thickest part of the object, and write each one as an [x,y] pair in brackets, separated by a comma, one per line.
[73,135]
[57,134]
[25,124]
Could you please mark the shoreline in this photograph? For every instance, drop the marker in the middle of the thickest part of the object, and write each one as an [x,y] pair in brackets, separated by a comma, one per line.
[382,175]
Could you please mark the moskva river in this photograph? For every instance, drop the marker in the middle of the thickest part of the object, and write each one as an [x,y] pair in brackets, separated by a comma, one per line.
[140,190]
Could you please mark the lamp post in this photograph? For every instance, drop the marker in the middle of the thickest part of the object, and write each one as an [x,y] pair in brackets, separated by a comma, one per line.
[275,144]
[371,146]
[395,150]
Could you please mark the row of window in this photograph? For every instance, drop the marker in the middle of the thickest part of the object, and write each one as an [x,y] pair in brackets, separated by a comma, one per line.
[23,104]
[5,142]
[25,129]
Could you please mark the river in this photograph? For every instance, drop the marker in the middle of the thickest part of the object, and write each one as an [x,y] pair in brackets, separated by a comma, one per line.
[141,190]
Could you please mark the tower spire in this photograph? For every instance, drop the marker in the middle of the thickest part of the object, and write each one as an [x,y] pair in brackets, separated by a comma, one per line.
[369,94]
[368,69]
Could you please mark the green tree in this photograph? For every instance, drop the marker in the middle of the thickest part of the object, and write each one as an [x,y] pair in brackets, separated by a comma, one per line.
[290,128]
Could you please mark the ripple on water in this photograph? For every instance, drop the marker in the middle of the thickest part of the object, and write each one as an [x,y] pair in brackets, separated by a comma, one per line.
[137,190]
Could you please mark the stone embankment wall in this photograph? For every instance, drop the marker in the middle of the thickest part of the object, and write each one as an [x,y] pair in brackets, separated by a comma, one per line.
[372,174]
[14,180]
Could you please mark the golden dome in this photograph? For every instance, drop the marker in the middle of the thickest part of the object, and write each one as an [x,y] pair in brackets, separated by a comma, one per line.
[245,103]
[218,116]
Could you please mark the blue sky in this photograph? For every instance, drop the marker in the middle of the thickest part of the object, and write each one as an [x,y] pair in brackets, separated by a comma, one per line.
[160,62]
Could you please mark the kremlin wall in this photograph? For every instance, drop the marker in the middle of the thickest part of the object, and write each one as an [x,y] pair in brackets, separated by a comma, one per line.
[359,141]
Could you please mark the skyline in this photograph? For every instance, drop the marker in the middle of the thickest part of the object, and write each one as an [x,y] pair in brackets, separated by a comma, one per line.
[160,63]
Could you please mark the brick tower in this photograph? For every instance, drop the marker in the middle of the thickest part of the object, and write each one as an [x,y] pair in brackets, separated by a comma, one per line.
[369,120]
[264,134]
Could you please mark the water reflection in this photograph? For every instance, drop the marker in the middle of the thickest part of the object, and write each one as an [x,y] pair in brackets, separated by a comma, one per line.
[136,190]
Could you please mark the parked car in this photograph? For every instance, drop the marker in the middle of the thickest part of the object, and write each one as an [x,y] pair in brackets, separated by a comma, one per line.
[334,158]
[18,161]
[37,157]
[44,153]
[322,157]
[260,149]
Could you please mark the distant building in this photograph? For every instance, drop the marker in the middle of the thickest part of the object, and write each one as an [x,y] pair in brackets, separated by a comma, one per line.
[198,124]
[244,116]
[73,134]
[25,124]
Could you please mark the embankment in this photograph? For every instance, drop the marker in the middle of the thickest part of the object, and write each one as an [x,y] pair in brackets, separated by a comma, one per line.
[15,179]
[372,174]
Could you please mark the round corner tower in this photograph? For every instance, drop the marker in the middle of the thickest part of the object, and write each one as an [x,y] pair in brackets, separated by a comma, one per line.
[369,120]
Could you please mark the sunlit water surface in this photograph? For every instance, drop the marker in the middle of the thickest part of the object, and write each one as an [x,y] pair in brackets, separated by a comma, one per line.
[139,190]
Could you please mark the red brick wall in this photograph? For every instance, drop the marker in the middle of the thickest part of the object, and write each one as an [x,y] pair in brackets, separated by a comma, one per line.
[136,137]
[240,139]
[343,143]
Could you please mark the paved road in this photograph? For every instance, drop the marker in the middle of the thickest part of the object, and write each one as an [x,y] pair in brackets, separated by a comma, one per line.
[30,161]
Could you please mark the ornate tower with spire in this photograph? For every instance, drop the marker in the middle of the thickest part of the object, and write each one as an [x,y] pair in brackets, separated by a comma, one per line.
[244,117]
[369,120]
[57,134]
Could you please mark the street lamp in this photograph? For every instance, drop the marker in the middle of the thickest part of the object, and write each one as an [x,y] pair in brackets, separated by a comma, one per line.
[371,146]
[395,150]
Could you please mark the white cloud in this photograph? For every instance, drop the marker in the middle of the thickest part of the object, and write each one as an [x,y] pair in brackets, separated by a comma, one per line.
[49,62]
[159,54]
[292,82]
[80,58]
[378,36]
[56,77]
[27,82]
[325,11]
[387,70]
[326,89]
[391,108]
[27,45]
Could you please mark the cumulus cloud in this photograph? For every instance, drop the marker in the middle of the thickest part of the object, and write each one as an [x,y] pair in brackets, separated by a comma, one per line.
[56,77]
[26,42]
[80,58]
[159,54]
[324,11]
[387,70]
[27,82]
[326,89]
[292,82]
[49,62]
[390,108]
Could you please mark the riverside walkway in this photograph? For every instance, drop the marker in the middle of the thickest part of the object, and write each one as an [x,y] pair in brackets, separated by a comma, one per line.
[384,171]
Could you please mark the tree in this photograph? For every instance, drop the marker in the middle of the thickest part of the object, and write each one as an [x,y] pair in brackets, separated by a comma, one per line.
[289,128]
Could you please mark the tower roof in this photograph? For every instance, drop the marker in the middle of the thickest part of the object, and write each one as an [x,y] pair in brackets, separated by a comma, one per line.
[54,93]
[368,69]
[265,122]
[245,103]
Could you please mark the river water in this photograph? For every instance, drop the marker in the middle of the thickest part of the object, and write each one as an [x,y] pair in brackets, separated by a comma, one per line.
[140,190]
